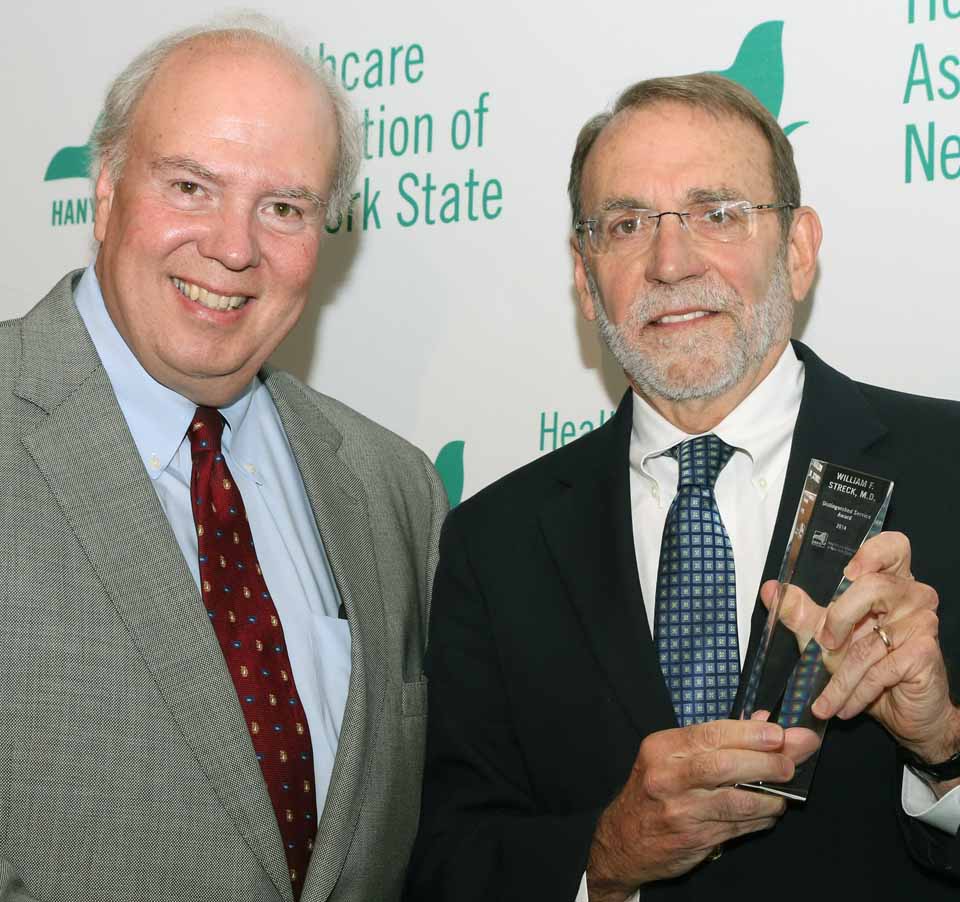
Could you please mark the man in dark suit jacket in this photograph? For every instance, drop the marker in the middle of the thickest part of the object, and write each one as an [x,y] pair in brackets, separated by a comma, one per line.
[132,767]
[556,768]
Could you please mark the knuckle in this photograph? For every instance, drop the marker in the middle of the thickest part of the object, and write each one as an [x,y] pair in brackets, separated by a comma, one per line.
[836,619]
[927,596]
[928,622]
[861,653]
[710,734]
[886,546]
[655,748]
[873,583]
[928,647]
[653,783]
[706,768]
[674,814]
[899,539]
[742,805]
[648,751]
[735,805]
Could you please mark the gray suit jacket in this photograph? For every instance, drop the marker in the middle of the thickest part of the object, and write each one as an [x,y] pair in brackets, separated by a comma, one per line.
[126,769]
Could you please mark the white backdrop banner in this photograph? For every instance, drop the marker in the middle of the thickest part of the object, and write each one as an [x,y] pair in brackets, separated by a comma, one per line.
[443,304]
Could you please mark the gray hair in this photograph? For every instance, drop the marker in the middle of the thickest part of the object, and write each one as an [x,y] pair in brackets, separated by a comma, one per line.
[111,134]
[706,91]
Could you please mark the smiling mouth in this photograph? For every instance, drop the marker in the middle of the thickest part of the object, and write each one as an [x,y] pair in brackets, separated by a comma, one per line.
[209,299]
[681,317]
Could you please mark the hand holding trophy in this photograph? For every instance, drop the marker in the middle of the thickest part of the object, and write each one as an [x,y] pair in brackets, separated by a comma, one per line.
[839,510]
[879,645]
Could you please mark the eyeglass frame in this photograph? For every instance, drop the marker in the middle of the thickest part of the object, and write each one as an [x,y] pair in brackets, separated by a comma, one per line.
[580,224]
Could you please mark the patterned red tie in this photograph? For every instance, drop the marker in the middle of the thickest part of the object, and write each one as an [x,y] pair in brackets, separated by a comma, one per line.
[251,637]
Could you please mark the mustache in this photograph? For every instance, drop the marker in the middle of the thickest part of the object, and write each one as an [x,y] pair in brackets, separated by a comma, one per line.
[663,300]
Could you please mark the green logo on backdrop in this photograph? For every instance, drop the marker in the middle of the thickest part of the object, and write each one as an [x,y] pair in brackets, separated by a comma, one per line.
[449,464]
[69,163]
[759,68]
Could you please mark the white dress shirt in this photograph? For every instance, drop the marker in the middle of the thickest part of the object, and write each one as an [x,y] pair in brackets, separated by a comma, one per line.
[289,549]
[748,492]
[748,488]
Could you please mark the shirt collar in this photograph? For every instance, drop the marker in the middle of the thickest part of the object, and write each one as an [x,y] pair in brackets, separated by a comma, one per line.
[761,425]
[157,416]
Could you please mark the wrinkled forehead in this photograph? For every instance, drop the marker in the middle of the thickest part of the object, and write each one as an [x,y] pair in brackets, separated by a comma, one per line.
[668,153]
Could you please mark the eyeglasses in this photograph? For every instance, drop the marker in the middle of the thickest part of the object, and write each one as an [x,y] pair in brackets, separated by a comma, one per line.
[628,230]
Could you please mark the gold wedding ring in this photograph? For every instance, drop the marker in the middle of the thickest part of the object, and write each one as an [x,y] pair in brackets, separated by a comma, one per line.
[884,638]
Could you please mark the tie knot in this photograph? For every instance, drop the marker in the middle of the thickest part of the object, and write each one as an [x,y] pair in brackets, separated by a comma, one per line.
[701,460]
[205,430]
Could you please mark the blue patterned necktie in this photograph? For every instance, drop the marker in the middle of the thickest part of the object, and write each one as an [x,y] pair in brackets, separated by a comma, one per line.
[696,614]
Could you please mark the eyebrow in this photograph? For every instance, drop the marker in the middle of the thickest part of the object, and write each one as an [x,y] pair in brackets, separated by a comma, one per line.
[624,203]
[720,194]
[186,164]
[709,195]
[165,164]
[306,194]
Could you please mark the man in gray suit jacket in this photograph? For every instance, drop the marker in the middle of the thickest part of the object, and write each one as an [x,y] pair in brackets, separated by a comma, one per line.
[131,766]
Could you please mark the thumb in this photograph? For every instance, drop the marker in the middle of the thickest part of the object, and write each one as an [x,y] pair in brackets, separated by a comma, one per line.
[795,609]
[768,593]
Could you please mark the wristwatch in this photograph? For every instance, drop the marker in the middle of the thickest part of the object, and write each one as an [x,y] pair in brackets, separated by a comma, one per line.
[938,773]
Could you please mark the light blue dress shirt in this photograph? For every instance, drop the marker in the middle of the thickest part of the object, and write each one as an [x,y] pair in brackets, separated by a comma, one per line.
[289,548]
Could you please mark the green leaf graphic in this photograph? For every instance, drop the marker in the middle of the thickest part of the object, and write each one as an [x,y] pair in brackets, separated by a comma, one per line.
[69,163]
[759,68]
[449,464]
[759,65]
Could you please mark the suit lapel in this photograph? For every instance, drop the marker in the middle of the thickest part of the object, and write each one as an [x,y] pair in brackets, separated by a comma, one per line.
[588,527]
[339,503]
[589,530]
[84,450]
[836,424]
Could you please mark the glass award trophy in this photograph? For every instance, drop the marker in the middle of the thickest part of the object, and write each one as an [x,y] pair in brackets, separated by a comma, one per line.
[839,510]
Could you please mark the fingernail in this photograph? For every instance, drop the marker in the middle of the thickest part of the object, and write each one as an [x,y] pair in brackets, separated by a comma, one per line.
[820,708]
[771,734]
[851,571]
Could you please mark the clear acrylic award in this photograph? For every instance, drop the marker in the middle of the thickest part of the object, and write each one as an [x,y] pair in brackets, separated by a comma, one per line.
[839,510]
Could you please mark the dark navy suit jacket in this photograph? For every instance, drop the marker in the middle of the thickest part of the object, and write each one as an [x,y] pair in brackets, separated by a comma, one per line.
[544,678]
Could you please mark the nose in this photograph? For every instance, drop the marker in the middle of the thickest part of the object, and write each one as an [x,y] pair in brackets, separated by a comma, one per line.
[231,239]
[673,255]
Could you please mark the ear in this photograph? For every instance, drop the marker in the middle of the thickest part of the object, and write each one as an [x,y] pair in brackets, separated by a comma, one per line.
[803,245]
[580,280]
[103,195]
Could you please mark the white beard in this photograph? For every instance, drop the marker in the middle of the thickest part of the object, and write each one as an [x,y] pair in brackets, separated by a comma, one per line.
[757,330]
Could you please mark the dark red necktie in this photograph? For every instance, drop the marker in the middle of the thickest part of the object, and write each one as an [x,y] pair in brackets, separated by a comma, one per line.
[251,637]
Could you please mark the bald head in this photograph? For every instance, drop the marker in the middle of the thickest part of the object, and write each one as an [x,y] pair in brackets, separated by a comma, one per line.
[247,35]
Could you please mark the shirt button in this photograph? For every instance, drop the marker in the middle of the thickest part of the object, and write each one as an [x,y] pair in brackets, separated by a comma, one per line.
[154,462]
[762,483]
[250,468]
[655,491]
